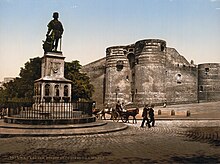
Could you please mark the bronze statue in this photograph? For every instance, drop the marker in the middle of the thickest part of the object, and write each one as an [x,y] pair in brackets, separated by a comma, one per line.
[54,34]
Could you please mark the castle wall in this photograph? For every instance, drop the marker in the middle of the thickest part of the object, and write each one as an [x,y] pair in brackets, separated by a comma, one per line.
[180,79]
[117,76]
[96,72]
[209,81]
[149,71]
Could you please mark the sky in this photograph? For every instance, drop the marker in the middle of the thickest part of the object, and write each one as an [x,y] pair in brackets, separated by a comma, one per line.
[192,27]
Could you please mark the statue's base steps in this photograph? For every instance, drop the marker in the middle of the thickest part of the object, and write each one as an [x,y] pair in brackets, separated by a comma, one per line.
[21,130]
[48,121]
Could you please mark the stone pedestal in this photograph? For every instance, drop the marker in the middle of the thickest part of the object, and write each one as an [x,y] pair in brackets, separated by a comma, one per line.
[52,86]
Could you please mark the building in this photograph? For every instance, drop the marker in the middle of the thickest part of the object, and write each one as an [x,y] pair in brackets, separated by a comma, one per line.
[150,72]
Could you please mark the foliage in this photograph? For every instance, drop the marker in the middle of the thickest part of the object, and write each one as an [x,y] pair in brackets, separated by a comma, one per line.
[22,88]
[81,87]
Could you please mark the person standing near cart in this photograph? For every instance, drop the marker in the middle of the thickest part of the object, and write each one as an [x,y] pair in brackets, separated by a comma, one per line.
[145,117]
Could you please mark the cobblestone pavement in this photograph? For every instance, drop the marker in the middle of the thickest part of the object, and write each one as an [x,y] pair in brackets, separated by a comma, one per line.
[167,142]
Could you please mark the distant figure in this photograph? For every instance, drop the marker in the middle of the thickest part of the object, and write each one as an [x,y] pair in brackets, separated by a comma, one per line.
[54,33]
[165,104]
[144,115]
[118,106]
[151,115]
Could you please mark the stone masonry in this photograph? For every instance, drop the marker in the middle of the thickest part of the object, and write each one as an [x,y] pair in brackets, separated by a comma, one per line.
[150,72]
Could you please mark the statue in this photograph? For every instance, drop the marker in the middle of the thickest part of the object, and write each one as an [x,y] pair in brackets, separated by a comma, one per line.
[54,34]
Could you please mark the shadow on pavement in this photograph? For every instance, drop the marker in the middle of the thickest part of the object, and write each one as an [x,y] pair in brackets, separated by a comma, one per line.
[195,159]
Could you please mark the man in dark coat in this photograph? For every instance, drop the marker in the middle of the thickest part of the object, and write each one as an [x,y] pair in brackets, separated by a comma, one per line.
[151,115]
[144,115]
[118,107]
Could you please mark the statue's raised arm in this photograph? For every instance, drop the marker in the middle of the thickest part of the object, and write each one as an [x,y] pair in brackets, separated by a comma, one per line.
[54,34]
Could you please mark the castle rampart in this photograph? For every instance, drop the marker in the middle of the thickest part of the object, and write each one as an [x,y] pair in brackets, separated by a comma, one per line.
[150,72]
[209,81]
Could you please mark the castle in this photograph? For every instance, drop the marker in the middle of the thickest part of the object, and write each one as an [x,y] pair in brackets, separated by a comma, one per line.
[150,72]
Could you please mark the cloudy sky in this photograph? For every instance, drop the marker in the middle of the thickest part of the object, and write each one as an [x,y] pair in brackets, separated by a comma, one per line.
[192,27]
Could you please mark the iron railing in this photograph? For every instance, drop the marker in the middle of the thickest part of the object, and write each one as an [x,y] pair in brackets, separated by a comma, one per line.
[44,110]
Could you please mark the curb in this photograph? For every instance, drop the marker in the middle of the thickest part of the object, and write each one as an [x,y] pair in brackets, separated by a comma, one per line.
[106,128]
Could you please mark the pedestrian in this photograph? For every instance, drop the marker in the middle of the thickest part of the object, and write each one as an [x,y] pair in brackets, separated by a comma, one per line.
[145,118]
[118,107]
[151,115]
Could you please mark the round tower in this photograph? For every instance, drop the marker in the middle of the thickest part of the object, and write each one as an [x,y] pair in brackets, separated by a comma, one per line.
[149,71]
[117,86]
[208,82]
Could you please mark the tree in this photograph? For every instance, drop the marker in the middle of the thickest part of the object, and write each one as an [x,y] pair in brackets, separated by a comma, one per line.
[81,86]
[22,88]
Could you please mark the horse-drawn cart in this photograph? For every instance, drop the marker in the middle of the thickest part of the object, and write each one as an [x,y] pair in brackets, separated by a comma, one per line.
[117,115]
[125,114]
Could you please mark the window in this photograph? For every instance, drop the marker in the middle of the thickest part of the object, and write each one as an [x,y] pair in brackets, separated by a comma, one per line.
[57,90]
[47,90]
[119,65]
[65,90]
[201,88]
[179,78]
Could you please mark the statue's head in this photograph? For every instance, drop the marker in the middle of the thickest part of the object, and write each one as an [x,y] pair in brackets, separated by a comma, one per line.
[55,15]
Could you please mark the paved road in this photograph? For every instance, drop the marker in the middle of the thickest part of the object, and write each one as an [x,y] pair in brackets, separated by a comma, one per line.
[168,142]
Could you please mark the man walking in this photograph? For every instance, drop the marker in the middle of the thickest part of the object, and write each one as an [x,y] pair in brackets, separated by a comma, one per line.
[144,115]
[151,115]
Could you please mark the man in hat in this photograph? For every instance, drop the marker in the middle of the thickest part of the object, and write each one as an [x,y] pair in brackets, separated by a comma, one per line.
[55,30]
[145,117]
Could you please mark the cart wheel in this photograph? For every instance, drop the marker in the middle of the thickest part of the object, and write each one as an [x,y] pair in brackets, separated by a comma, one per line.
[124,118]
[115,116]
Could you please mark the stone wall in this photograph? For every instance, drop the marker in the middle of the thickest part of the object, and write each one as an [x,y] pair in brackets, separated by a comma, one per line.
[96,72]
[209,81]
[181,78]
[150,72]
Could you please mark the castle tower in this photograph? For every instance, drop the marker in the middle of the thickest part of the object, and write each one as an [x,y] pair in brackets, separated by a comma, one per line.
[208,82]
[52,86]
[149,71]
[117,85]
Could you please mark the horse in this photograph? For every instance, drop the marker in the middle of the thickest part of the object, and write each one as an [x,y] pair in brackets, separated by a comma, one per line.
[105,111]
[101,113]
[131,112]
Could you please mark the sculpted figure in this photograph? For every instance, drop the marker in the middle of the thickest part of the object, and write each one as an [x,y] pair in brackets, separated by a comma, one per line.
[54,34]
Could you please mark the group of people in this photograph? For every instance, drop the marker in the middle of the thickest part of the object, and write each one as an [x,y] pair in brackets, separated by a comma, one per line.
[148,111]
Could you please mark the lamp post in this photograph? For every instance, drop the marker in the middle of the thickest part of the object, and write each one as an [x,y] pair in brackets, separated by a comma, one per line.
[116,92]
